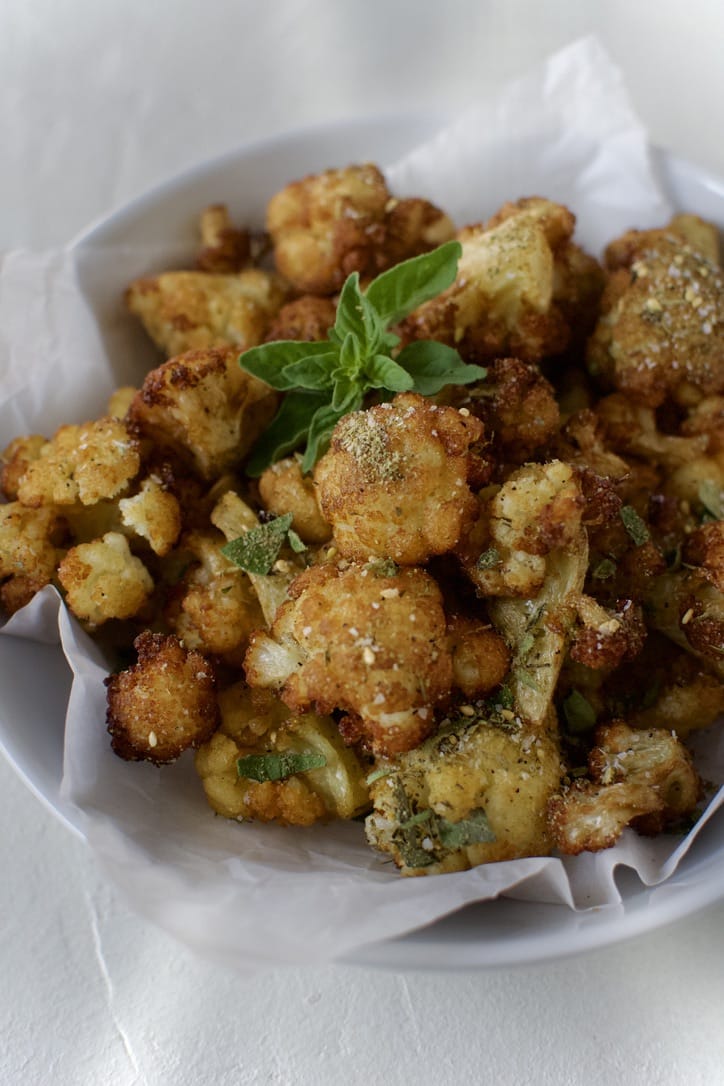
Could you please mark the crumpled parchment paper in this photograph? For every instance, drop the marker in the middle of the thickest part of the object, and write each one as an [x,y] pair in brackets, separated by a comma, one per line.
[255,894]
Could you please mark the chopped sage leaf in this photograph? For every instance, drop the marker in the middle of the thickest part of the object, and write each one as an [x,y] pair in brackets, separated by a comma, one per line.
[579,713]
[634,525]
[473,830]
[605,570]
[278,766]
[295,542]
[258,549]
[488,559]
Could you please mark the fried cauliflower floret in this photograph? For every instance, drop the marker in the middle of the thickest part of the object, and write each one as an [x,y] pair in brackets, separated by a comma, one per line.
[394,482]
[630,428]
[606,637]
[518,408]
[190,310]
[224,248]
[28,553]
[120,401]
[334,789]
[480,657]
[153,513]
[205,408]
[15,460]
[162,705]
[705,548]
[214,608]
[364,640]
[513,289]
[691,481]
[103,580]
[306,319]
[707,418]
[644,778]
[473,793]
[661,332]
[688,608]
[340,221]
[285,489]
[82,463]
[537,510]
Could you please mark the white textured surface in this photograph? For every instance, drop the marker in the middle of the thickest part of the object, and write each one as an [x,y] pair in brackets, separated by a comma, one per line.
[100,100]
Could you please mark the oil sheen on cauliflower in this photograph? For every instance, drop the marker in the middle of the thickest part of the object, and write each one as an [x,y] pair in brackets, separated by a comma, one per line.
[364,639]
[395,480]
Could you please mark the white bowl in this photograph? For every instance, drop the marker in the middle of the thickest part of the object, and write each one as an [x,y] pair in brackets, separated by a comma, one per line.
[495,933]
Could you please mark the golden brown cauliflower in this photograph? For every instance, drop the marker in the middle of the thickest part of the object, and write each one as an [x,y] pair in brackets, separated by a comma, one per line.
[365,639]
[154,514]
[687,607]
[285,489]
[705,548]
[536,510]
[518,408]
[307,319]
[263,728]
[476,792]
[162,705]
[81,463]
[103,580]
[344,220]
[395,480]
[214,607]
[189,310]
[480,657]
[205,408]
[514,293]
[15,460]
[28,552]
[661,332]
[224,248]
[120,400]
[631,428]
[640,778]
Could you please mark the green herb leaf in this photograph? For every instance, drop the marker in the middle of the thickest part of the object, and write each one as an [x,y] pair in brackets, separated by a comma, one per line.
[711,497]
[634,525]
[258,549]
[383,372]
[311,372]
[278,766]
[579,713]
[473,830]
[297,545]
[269,360]
[356,316]
[320,430]
[488,559]
[434,365]
[605,570]
[396,292]
[382,567]
[287,430]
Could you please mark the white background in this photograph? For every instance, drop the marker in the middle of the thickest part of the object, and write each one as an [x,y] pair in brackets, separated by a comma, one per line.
[99,100]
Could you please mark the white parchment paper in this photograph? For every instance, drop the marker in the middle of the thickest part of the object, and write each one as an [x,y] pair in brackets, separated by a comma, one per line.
[253,894]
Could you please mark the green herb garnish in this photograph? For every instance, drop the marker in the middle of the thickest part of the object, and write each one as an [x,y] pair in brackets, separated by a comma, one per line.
[634,525]
[473,830]
[605,570]
[488,559]
[327,380]
[710,497]
[278,766]
[579,713]
[258,549]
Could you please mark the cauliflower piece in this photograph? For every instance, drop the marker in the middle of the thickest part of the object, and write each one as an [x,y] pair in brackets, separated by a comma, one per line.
[607,637]
[476,792]
[643,778]
[154,514]
[689,609]
[394,482]
[28,552]
[365,639]
[162,705]
[192,310]
[705,548]
[214,607]
[518,408]
[205,408]
[103,580]
[83,463]
[631,428]
[15,460]
[344,220]
[514,292]
[661,332]
[224,248]
[537,510]
[538,630]
[334,789]
[480,657]
[707,417]
[688,482]
[284,489]
[307,319]
[120,400]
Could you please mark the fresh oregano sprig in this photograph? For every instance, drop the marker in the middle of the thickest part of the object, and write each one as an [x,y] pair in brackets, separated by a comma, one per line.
[324,381]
